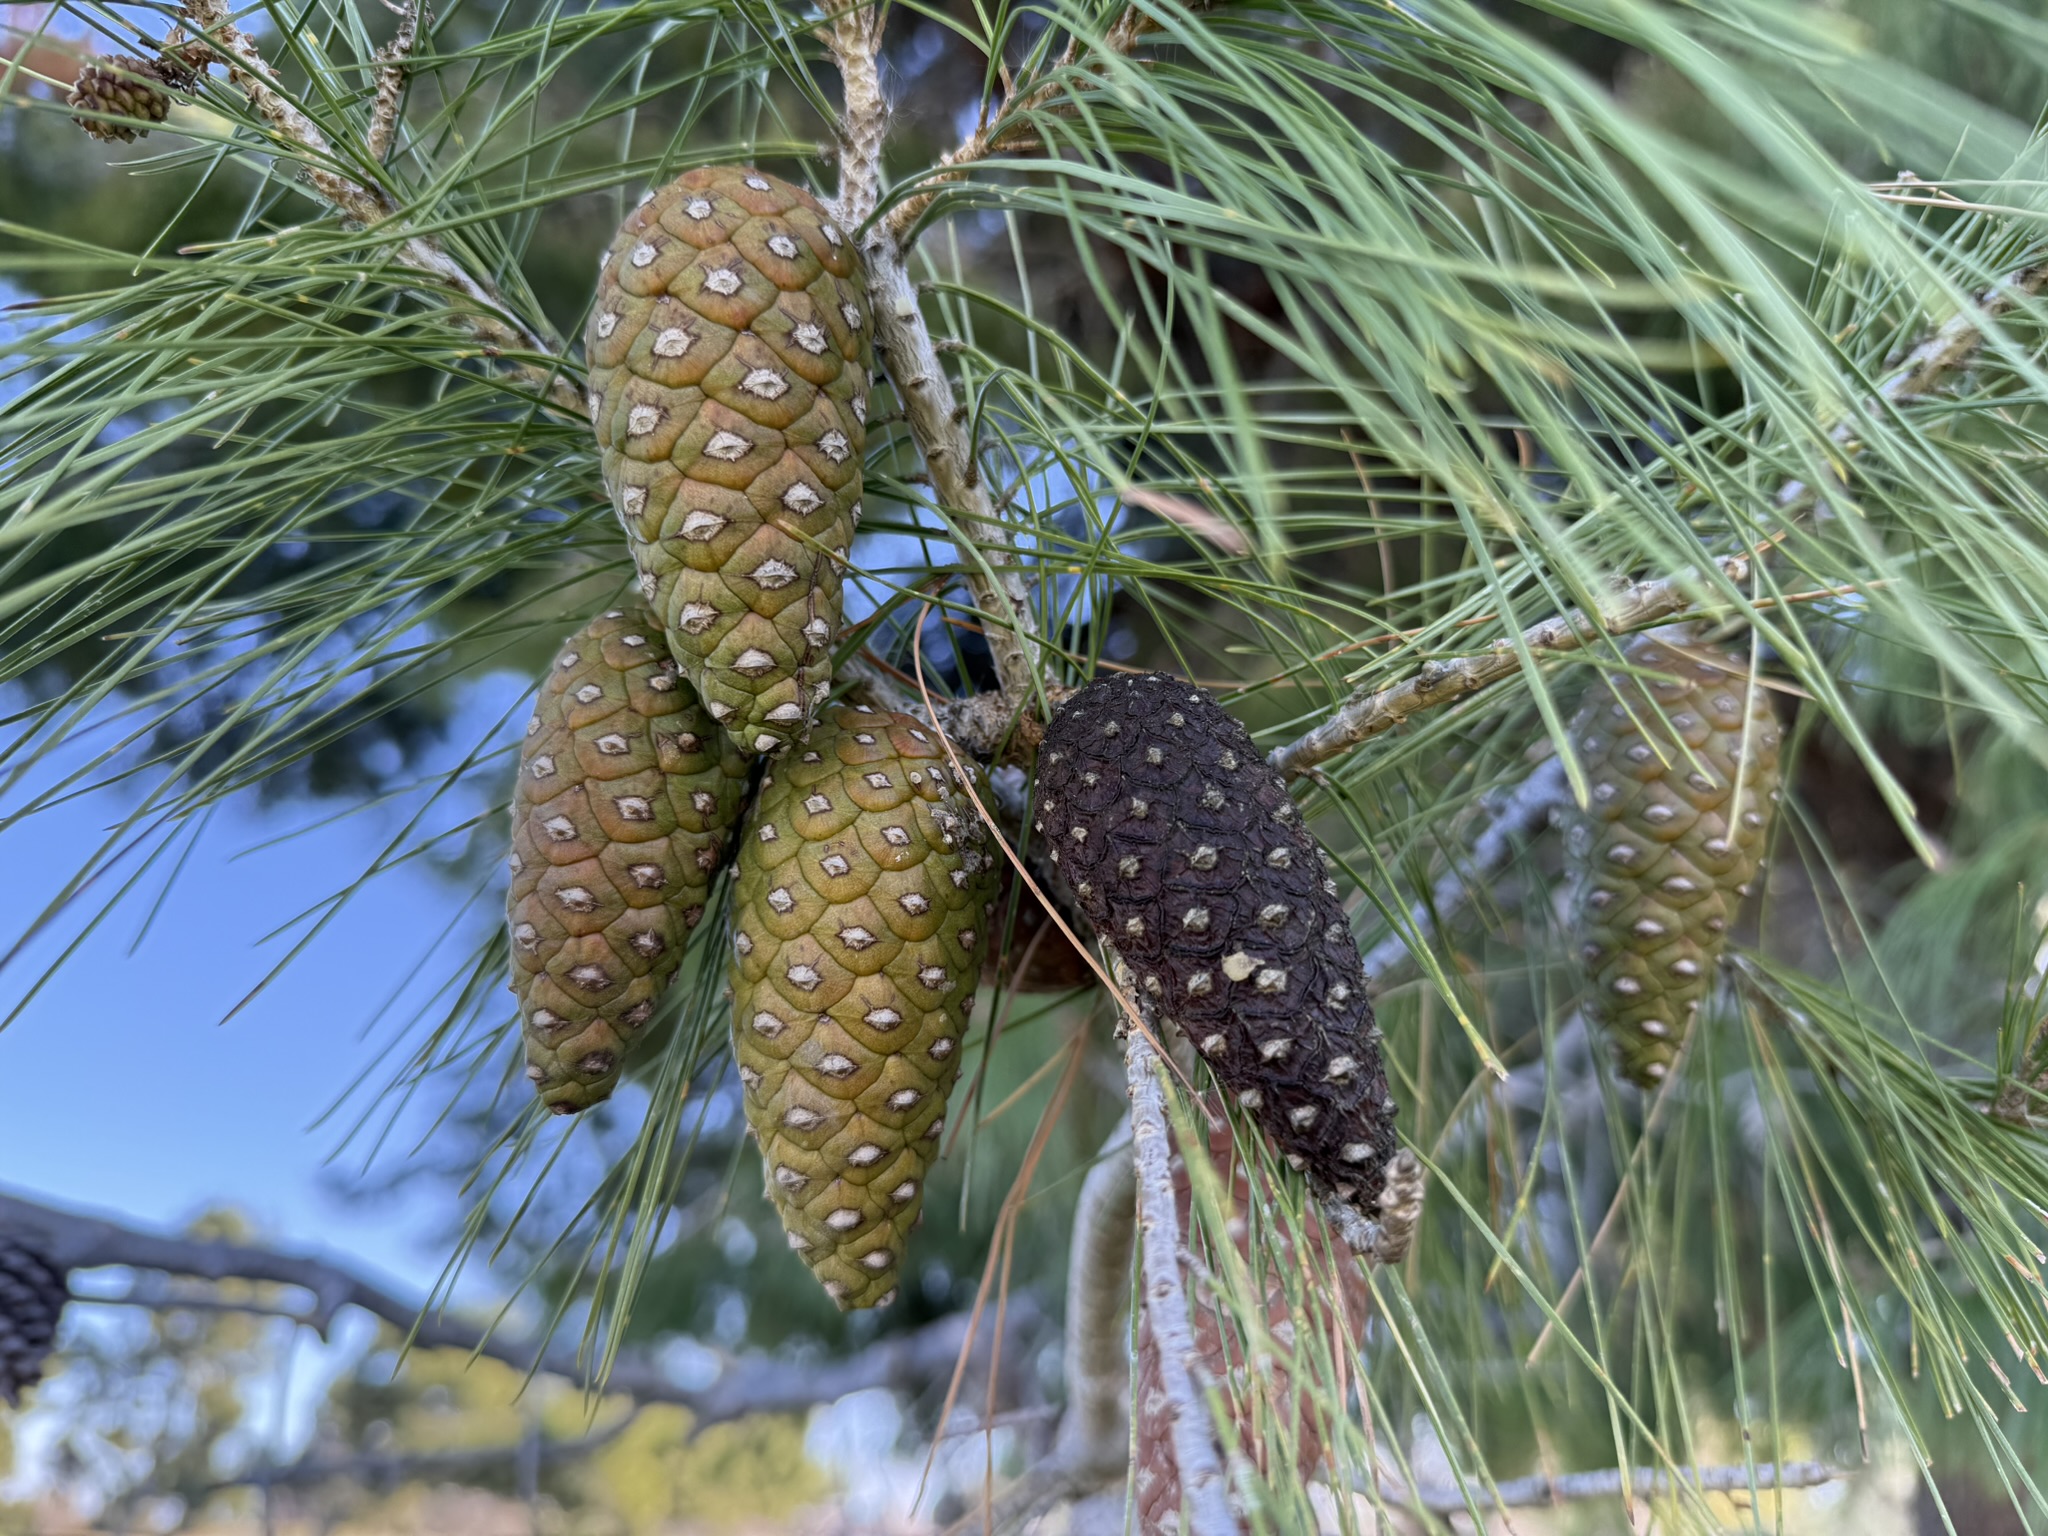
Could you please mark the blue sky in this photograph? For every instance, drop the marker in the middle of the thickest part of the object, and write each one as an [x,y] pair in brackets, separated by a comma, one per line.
[128,1092]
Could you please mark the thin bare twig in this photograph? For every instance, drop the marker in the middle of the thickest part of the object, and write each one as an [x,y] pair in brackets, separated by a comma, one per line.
[912,1361]
[1008,128]
[1197,1458]
[483,311]
[1368,712]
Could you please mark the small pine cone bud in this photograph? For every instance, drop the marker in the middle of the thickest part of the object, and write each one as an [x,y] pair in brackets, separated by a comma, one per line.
[1682,754]
[862,904]
[32,1296]
[627,792]
[1190,858]
[120,87]
[729,352]
[1269,1252]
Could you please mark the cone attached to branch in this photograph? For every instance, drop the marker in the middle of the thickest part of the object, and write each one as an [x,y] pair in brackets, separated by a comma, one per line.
[32,1296]
[729,359]
[125,87]
[1319,1287]
[627,791]
[1189,857]
[865,888]
[1682,753]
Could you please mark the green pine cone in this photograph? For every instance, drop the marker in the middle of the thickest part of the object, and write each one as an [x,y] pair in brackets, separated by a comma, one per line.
[866,882]
[729,358]
[1683,757]
[626,792]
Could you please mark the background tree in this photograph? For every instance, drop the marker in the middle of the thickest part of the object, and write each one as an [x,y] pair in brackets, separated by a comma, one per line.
[1379,368]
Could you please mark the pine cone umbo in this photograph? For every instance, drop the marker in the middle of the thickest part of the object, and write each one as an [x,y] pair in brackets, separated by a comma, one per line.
[1682,753]
[123,86]
[729,353]
[1191,860]
[32,1296]
[1156,1476]
[865,887]
[626,792]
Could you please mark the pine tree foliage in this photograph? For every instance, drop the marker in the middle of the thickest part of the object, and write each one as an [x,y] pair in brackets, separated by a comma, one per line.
[1336,355]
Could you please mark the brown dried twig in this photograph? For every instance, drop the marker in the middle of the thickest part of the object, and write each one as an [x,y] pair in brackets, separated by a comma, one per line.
[391,61]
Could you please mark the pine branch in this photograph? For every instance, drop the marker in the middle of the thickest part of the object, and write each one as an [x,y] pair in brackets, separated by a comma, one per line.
[489,317]
[1924,372]
[1090,1449]
[1368,712]
[907,1362]
[1007,129]
[855,39]
[937,421]
[1197,1458]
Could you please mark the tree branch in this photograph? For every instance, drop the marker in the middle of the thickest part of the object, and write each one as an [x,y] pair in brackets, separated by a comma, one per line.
[489,317]
[1197,1458]
[1922,373]
[1005,130]
[855,37]
[938,423]
[1928,367]
[388,1468]
[1368,712]
[907,1362]
[1094,1429]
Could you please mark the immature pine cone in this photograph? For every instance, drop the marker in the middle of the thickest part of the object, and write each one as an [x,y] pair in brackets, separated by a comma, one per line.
[626,793]
[1683,757]
[1189,857]
[860,912]
[122,87]
[32,1297]
[729,359]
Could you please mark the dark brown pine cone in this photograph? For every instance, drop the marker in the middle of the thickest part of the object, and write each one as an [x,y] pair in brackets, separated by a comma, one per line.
[124,86]
[32,1297]
[1190,858]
